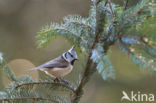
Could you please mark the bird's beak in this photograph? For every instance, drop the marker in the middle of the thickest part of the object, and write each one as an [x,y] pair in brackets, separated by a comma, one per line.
[76,59]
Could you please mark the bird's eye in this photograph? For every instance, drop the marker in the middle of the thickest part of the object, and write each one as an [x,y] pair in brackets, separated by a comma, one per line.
[72,56]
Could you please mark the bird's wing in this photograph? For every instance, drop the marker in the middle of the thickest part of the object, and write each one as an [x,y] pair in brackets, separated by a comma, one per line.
[55,63]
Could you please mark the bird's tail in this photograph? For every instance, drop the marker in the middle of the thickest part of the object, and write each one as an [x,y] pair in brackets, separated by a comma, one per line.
[33,69]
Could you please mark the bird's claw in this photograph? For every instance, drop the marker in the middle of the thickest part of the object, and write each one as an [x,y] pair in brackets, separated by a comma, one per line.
[65,81]
[60,80]
[56,80]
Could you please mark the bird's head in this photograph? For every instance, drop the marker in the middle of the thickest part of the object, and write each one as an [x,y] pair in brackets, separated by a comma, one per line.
[71,55]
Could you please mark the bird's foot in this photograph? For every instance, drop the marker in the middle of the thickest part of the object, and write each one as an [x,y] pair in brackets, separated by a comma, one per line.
[56,80]
[64,81]
[61,80]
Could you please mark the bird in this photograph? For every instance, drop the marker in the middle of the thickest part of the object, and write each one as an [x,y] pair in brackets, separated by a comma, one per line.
[60,66]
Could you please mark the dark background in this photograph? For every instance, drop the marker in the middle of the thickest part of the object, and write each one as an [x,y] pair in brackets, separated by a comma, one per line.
[20,20]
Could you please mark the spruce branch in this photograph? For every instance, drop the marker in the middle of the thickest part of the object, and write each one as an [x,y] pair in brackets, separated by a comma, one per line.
[47,83]
[80,22]
[86,26]
[7,70]
[33,99]
[148,31]
[131,52]
[76,19]
[139,40]
[147,43]
[67,30]
[125,22]
[86,77]
[142,42]
[129,17]
[104,65]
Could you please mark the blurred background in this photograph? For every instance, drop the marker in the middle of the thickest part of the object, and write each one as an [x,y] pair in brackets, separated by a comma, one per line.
[20,20]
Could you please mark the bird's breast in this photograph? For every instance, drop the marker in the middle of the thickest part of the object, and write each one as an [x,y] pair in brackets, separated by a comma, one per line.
[60,72]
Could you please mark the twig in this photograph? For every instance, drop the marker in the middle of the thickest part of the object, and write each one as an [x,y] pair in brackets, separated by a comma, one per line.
[148,31]
[86,72]
[147,43]
[86,76]
[126,4]
[28,98]
[87,69]
[106,2]
[109,1]
[53,83]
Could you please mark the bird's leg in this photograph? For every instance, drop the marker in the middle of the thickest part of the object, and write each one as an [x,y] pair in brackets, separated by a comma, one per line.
[64,81]
[61,80]
[56,80]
